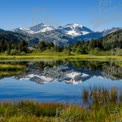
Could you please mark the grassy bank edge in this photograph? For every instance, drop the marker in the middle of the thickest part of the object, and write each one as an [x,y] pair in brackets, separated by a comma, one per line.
[104,108]
[61,57]
[28,111]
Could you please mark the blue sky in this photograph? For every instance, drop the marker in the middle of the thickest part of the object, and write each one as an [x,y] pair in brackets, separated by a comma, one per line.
[95,14]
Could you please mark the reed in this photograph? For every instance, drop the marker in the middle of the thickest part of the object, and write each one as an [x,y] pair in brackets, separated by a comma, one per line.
[104,107]
[120,96]
[100,96]
[85,96]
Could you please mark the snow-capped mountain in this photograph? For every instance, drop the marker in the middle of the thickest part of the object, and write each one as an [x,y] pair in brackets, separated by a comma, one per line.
[69,29]
[75,29]
[62,35]
[40,28]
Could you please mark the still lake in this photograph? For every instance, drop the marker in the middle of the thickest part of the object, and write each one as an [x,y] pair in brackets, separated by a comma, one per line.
[57,81]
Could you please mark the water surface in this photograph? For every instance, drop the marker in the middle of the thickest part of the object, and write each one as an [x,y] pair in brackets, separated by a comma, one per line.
[57,81]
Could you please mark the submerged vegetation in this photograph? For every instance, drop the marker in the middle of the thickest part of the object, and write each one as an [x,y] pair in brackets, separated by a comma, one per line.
[104,106]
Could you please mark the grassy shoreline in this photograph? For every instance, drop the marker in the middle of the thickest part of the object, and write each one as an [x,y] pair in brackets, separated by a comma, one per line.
[61,57]
[28,111]
[104,108]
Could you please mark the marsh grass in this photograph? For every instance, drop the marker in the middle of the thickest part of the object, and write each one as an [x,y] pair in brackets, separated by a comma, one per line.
[120,96]
[85,96]
[101,96]
[106,106]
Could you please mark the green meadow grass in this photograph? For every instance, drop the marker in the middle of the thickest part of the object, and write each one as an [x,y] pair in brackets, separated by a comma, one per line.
[104,108]
[59,56]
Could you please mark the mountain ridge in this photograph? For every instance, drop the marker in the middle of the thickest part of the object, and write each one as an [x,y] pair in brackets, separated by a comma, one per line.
[62,35]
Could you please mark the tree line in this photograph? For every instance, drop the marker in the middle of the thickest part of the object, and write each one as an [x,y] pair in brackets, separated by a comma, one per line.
[13,48]
[103,46]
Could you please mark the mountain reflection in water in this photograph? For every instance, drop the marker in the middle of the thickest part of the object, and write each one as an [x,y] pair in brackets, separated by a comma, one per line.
[56,81]
[69,72]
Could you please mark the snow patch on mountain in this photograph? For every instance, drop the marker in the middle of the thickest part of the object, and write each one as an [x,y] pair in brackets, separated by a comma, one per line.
[41,28]
[73,33]
[46,29]
[76,30]
[73,26]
